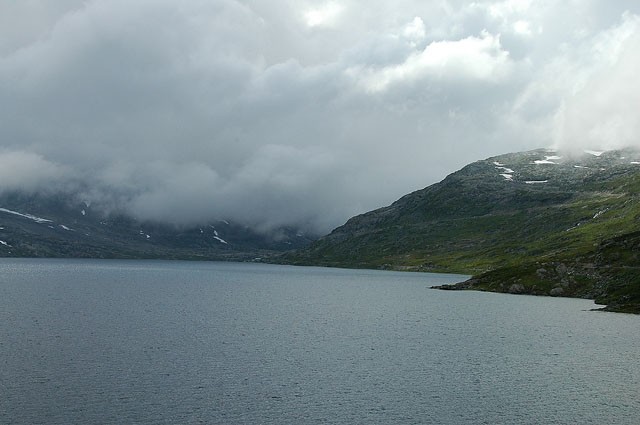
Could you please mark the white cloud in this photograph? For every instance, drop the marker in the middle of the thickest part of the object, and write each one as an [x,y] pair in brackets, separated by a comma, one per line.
[415,30]
[600,110]
[324,15]
[523,27]
[26,171]
[298,112]
[506,9]
[478,58]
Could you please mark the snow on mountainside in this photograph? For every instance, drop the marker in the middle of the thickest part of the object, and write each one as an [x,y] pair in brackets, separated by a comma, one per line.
[40,226]
[570,217]
[29,216]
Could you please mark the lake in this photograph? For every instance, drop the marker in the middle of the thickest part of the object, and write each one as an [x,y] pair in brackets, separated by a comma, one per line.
[149,342]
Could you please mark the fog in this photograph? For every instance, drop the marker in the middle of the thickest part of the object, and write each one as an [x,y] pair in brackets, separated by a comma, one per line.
[274,113]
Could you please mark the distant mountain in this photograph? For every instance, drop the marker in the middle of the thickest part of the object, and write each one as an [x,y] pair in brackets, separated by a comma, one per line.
[534,222]
[55,226]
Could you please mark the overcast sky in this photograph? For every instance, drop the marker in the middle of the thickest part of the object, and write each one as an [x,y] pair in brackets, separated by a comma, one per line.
[276,112]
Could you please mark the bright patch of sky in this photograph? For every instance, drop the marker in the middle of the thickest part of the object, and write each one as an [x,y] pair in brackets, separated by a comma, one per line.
[323,16]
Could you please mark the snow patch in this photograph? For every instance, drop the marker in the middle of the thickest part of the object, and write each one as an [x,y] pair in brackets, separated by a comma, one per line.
[594,153]
[543,161]
[29,216]
[506,170]
[65,227]
[635,162]
[580,166]
[547,160]
[5,244]
[537,181]
[83,212]
[220,239]
[599,213]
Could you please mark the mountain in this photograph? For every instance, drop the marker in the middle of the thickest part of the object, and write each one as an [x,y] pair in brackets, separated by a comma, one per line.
[55,226]
[534,222]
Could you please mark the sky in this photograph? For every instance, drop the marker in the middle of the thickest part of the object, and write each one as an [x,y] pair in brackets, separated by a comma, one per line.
[299,113]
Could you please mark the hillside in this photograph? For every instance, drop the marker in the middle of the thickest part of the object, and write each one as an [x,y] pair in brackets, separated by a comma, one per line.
[54,226]
[535,222]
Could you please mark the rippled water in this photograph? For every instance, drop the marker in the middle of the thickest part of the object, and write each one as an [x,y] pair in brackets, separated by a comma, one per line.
[136,342]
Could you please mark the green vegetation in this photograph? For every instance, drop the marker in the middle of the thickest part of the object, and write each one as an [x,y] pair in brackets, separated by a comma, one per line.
[561,226]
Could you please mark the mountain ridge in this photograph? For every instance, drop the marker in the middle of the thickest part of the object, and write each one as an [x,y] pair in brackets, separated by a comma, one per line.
[536,222]
[60,226]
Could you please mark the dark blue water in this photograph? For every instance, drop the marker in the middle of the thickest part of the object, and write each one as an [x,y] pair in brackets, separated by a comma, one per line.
[115,342]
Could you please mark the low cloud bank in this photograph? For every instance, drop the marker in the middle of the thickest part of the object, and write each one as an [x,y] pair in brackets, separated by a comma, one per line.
[299,114]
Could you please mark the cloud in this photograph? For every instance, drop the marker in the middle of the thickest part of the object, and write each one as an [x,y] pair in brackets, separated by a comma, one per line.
[477,58]
[600,112]
[25,22]
[323,16]
[415,30]
[298,113]
[275,187]
[28,172]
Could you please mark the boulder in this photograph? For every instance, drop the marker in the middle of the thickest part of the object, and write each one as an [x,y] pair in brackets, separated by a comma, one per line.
[516,288]
[556,292]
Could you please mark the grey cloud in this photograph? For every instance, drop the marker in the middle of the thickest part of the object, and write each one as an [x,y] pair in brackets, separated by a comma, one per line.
[199,110]
[27,21]
[28,172]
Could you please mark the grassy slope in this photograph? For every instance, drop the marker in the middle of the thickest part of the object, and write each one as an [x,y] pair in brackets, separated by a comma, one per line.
[573,235]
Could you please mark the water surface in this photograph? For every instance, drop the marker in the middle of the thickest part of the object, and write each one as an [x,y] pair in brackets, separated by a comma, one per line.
[146,342]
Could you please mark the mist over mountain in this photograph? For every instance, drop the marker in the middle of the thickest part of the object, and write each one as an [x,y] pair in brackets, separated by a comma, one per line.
[299,114]
[536,222]
[56,227]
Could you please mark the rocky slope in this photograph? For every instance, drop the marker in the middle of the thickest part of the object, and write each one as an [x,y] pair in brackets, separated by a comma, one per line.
[48,226]
[536,222]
